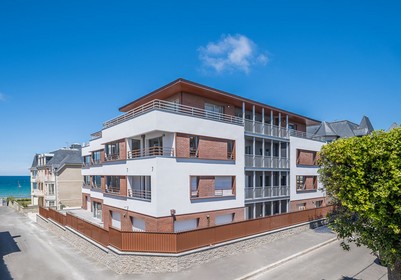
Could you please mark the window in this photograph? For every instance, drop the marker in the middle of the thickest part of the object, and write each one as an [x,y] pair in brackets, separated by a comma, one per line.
[292,126]
[230,149]
[97,210]
[112,151]
[223,186]
[193,146]
[300,183]
[96,181]
[283,180]
[140,187]
[51,203]
[96,157]
[194,186]
[214,108]
[113,184]
[50,189]
[156,146]
[35,186]
[87,181]
[318,203]
[87,160]
[301,206]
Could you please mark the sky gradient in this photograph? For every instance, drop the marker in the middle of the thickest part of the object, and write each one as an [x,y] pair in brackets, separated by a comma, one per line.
[67,66]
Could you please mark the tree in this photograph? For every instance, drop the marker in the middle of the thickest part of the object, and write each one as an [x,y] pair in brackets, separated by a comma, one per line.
[362,177]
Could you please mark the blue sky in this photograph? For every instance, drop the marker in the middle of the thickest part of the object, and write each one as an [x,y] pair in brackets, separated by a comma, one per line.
[66,66]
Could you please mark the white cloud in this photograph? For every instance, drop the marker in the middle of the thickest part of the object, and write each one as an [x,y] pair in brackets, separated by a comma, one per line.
[231,53]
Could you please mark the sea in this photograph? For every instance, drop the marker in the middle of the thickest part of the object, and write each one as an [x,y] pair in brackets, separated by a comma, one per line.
[17,186]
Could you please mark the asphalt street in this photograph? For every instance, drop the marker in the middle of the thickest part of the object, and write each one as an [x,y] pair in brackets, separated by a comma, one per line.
[330,262]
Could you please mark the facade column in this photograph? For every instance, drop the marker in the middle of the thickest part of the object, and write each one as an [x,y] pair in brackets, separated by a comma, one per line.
[264,182]
[279,155]
[254,210]
[279,206]
[253,151]
[243,112]
[271,183]
[271,123]
[254,183]
[263,209]
[279,124]
[271,153]
[287,125]
[253,118]
[263,153]
[272,207]
[263,120]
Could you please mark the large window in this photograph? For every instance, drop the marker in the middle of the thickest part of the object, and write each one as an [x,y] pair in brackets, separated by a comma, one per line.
[87,160]
[96,181]
[112,151]
[96,157]
[223,185]
[50,189]
[214,108]
[193,146]
[140,187]
[87,181]
[300,183]
[194,186]
[113,184]
[97,210]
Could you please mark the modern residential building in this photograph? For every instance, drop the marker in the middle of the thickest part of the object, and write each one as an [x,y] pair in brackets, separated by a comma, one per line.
[187,156]
[56,179]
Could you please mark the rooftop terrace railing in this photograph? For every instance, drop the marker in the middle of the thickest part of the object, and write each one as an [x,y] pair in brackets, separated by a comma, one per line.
[172,107]
[301,134]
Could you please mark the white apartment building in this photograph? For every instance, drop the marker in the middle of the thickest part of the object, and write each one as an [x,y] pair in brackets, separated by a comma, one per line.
[187,156]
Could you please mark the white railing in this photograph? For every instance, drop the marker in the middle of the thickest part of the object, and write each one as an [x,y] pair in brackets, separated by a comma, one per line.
[265,129]
[259,161]
[142,194]
[96,135]
[111,157]
[151,152]
[266,192]
[167,106]
[301,134]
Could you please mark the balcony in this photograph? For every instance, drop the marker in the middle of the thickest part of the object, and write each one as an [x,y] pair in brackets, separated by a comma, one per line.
[305,135]
[37,192]
[96,135]
[141,194]
[112,190]
[175,108]
[266,129]
[111,157]
[266,192]
[151,152]
[259,161]
[86,185]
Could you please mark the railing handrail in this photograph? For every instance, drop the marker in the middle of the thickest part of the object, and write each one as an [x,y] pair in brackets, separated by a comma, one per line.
[151,151]
[163,105]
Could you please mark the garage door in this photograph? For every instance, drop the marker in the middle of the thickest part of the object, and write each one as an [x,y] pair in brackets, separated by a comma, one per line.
[185,225]
[224,219]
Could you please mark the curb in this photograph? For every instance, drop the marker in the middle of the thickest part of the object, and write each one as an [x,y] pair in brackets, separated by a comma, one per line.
[282,261]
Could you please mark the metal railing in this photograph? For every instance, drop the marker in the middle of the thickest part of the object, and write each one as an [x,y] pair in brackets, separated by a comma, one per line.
[259,161]
[302,134]
[265,129]
[264,192]
[112,190]
[142,194]
[151,152]
[172,107]
[111,157]
[96,135]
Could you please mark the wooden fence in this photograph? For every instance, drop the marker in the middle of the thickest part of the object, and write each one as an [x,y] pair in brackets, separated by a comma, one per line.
[157,242]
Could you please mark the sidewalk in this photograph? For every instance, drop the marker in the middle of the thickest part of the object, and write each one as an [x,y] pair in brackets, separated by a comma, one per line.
[238,266]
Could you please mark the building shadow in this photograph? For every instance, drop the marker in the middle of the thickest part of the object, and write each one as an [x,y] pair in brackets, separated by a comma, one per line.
[7,246]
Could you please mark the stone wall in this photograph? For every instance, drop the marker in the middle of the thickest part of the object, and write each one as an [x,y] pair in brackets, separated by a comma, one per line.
[131,263]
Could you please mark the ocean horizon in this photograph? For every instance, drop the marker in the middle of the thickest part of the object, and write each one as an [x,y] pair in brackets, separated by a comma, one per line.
[17,186]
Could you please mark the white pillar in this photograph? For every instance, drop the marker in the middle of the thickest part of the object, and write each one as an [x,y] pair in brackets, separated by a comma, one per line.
[271,122]
[279,124]
[263,122]
[243,112]
[253,118]
[254,151]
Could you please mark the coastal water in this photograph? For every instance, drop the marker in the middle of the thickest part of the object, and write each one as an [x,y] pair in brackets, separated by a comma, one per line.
[17,186]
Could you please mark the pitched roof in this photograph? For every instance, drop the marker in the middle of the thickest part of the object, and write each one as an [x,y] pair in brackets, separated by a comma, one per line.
[65,156]
[342,129]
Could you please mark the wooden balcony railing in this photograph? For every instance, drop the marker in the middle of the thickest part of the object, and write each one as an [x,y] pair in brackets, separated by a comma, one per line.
[151,152]
[111,157]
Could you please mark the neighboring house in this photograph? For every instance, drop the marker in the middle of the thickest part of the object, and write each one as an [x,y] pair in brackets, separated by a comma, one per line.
[330,131]
[188,156]
[56,179]
[393,125]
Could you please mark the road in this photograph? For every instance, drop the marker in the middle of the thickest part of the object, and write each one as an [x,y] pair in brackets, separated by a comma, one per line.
[330,262]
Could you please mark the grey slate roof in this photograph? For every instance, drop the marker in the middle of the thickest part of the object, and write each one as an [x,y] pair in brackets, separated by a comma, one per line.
[341,129]
[35,161]
[393,125]
[65,156]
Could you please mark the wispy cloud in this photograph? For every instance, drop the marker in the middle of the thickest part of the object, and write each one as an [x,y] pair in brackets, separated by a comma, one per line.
[231,53]
[2,97]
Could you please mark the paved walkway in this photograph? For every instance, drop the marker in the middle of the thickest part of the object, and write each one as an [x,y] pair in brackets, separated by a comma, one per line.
[31,252]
